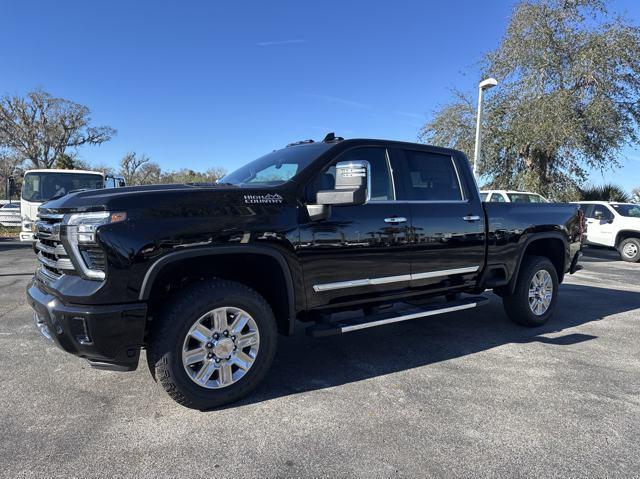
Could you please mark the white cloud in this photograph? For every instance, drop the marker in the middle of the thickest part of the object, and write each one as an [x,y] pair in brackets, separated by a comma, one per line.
[279,42]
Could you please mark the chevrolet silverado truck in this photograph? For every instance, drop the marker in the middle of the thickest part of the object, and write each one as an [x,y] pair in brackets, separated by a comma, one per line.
[331,236]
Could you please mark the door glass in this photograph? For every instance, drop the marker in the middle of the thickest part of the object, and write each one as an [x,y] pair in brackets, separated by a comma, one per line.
[497,198]
[606,214]
[431,177]
[380,176]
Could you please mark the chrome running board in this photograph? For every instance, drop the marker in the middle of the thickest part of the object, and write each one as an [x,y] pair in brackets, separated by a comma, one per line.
[401,312]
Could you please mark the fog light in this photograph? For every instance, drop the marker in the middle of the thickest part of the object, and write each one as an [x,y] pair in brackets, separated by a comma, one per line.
[80,331]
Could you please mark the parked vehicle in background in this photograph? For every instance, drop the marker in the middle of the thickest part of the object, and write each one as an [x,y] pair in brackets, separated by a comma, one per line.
[340,235]
[616,225]
[39,186]
[508,196]
[10,214]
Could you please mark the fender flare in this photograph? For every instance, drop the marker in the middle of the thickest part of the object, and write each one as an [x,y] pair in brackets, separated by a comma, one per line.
[530,239]
[161,263]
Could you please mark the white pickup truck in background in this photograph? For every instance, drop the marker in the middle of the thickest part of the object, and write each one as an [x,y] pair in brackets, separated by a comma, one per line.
[616,225]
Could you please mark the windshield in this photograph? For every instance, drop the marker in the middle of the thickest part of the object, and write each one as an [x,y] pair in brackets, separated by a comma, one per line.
[45,185]
[628,210]
[277,167]
[526,198]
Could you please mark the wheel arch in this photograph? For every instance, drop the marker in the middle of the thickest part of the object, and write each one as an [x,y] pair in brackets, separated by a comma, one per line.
[216,260]
[552,245]
[624,234]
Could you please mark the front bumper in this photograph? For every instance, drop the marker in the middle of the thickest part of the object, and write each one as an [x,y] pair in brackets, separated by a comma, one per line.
[108,336]
[27,236]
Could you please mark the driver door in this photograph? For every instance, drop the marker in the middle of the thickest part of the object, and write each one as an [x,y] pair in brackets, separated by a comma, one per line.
[359,251]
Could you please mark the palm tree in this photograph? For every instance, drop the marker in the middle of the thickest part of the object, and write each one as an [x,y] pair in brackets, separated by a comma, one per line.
[607,192]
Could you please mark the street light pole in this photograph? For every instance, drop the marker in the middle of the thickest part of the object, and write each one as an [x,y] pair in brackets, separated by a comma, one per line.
[484,85]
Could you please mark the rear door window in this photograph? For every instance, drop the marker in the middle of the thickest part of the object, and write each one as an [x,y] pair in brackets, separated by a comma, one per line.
[430,177]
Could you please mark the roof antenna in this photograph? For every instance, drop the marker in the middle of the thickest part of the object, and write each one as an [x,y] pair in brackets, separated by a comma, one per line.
[329,138]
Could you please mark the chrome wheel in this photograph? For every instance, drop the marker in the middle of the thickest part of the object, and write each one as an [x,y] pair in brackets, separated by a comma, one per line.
[630,250]
[540,292]
[220,347]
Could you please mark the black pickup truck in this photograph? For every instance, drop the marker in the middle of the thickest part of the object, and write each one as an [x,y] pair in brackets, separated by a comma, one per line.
[334,236]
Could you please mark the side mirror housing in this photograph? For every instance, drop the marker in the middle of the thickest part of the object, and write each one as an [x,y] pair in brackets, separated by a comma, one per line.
[352,185]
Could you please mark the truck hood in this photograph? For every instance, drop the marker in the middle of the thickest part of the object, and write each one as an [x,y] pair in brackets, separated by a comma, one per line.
[117,199]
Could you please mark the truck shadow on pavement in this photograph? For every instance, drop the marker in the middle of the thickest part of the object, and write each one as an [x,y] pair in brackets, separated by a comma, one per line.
[306,364]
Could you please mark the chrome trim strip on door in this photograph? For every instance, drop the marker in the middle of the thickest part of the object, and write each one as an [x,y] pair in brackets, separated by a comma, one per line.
[446,272]
[406,317]
[318,288]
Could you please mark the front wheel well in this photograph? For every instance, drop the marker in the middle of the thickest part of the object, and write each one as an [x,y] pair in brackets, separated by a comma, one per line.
[260,272]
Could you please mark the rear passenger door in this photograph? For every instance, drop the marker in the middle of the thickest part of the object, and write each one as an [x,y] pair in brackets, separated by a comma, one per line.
[447,219]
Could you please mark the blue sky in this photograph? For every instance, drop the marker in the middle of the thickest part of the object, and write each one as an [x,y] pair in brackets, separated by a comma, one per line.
[200,83]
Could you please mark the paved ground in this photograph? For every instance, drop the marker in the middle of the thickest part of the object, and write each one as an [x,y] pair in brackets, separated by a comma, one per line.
[460,395]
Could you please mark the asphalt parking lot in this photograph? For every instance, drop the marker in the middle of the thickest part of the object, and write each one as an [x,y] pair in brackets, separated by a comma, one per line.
[465,394]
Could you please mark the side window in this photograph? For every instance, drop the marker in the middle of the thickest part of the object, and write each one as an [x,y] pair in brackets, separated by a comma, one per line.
[431,177]
[497,198]
[483,196]
[587,209]
[606,214]
[380,176]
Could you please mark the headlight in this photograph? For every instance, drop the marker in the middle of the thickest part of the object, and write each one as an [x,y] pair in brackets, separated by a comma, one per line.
[81,231]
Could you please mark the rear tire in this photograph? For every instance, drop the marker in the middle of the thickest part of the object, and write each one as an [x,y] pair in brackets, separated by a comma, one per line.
[530,303]
[196,362]
[629,250]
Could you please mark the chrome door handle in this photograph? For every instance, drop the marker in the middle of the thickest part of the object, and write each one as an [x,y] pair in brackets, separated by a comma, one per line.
[395,219]
[471,218]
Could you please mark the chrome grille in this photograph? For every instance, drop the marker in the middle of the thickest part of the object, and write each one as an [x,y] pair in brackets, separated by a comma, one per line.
[54,260]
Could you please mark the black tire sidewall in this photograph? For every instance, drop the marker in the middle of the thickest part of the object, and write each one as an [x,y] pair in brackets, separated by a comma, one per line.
[183,314]
[517,304]
[636,258]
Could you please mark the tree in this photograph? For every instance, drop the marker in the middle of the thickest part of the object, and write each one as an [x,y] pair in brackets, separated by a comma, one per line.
[41,128]
[10,165]
[568,100]
[139,170]
[635,195]
[607,192]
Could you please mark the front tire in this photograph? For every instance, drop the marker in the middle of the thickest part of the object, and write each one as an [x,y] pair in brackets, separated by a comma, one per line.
[536,293]
[213,344]
[629,250]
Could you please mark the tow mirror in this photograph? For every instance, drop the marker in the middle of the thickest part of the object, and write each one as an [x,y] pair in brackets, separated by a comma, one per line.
[352,185]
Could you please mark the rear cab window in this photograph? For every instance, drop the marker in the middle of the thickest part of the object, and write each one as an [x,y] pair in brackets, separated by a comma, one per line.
[430,177]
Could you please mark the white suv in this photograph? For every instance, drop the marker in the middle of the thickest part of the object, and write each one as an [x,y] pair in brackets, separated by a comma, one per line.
[508,196]
[616,225]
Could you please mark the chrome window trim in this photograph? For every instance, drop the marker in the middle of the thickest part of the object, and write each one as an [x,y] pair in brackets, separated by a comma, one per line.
[393,181]
[319,288]
[455,168]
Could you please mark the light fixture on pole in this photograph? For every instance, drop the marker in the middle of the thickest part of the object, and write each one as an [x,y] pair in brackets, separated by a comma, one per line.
[484,85]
